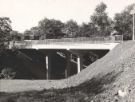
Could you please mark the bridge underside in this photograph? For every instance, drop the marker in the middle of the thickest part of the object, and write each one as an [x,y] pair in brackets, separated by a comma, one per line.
[63,60]
[51,63]
[69,62]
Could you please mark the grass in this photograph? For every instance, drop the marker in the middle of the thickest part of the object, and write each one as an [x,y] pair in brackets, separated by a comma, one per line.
[83,93]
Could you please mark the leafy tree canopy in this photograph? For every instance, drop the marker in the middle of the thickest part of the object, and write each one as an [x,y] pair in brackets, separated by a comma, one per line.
[123,22]
[87,30]
[5,28]
[34,33]
[71,29]
[15,36]
[101,20]
[101,8]
[50,28]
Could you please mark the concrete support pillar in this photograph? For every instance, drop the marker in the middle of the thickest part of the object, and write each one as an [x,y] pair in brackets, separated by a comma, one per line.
[68,67]
[48,66]
[79,63]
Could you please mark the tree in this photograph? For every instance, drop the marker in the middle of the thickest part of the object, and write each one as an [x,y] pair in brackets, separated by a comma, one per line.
[15,36]
[123,22]
[50,28]
[35,31]
[87,30]
[32,34]
[5,28]
[101,20]
[71,29]
[27,35]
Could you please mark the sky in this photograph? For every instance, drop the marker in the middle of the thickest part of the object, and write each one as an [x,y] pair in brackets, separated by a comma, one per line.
[25,14]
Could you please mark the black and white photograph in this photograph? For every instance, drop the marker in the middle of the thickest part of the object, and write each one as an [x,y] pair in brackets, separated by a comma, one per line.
[67,50]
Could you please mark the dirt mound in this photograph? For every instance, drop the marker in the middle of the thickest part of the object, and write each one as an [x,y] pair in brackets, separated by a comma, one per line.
[110,79]
[120,59]
[117,69]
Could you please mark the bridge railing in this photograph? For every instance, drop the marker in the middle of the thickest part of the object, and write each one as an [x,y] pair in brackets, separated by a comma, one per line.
[117,38]
[85,40]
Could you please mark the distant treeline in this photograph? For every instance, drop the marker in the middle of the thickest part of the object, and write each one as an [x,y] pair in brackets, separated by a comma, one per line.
[100,24]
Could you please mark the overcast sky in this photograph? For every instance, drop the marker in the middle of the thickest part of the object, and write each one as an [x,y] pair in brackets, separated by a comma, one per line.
[25,14]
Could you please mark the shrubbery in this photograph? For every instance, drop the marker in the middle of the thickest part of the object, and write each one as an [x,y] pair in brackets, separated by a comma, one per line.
[7,73]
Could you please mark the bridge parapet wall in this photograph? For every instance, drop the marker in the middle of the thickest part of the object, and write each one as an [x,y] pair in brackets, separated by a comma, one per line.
[116,38]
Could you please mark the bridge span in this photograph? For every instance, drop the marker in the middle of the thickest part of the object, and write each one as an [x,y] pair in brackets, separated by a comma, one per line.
[65,50]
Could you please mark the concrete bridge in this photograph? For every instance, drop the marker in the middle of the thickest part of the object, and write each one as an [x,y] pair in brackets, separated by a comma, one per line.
[66,49]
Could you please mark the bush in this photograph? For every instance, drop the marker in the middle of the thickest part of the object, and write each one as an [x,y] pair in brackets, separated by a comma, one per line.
[7,73]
